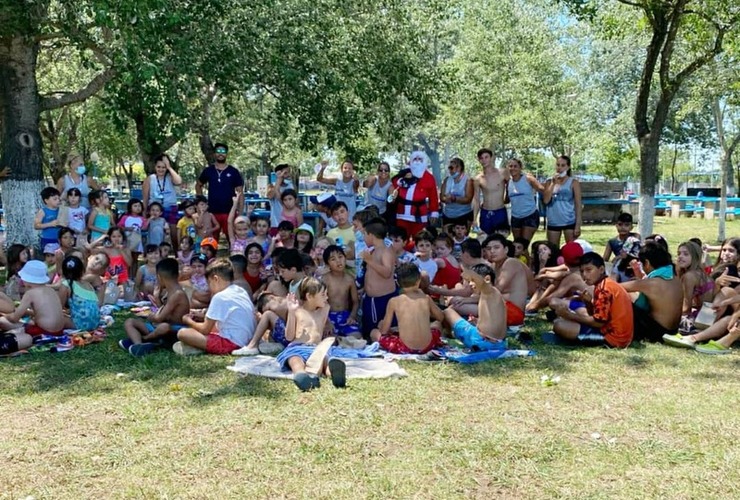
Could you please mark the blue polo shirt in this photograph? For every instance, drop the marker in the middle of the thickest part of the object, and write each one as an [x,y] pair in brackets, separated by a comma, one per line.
[222,186]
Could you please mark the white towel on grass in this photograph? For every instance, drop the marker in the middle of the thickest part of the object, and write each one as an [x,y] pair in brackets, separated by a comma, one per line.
[266,366]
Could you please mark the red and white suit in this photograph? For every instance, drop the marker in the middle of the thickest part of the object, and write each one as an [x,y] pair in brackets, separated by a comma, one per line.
[417,201]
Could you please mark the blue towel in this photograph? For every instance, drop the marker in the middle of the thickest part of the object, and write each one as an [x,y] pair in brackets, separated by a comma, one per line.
[304,351]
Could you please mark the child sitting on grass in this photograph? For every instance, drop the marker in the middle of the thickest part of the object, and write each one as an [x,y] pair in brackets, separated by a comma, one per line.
[412,309]
[239,263]
[490,330]
[164,323]
[305,330]
[272,313]
[342,293]
[79,296]
[229,321]
[200,294]
[146,276]
[48,317]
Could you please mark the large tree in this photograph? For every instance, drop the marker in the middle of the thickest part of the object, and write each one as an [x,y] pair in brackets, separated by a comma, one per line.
[683,36]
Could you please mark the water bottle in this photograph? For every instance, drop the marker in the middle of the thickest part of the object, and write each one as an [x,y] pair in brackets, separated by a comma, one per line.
[111,291]
[129,291]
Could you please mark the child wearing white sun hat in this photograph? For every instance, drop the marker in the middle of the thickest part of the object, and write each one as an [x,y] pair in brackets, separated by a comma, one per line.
[48,317]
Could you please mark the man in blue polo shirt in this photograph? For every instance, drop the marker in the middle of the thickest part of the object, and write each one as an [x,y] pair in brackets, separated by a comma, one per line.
[224,181]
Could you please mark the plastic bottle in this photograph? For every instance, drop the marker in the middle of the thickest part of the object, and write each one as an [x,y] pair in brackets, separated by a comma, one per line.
[111,291]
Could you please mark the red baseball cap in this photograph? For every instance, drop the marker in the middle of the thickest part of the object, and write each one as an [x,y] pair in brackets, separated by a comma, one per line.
[571,253]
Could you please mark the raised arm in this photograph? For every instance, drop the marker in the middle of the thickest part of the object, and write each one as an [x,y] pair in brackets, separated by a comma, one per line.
[176,179]
[578,207]
[145,187]
[325,180]
[547,193]
[536,185]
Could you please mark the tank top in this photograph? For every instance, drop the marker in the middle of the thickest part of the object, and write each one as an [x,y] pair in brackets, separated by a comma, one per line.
[148,277]
[345,191]
[117,267]
[102,220]
[238,246]
[454,210]
[162,191]
[561,209]
[293,219]
[377,195]
[448,275]
[276,208]
[522,199]
[155,231]
[83,306]
[254,281]
[82,186]
[50,214]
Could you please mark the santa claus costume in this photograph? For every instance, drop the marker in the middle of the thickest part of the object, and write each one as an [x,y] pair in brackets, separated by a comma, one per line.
[417,198]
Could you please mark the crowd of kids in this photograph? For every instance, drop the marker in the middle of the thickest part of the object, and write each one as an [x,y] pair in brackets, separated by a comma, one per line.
[286,287]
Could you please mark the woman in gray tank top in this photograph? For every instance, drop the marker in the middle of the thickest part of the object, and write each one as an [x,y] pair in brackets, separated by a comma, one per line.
[456,193]
[521,190]
[345,186]
[76,178]
[562,199]
[377,188]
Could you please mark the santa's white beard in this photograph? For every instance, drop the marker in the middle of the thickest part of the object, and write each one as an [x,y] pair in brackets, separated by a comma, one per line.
[418,170]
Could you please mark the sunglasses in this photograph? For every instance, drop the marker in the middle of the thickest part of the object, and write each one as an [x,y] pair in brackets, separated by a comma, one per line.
[221,151]
[384,170]
[451,167]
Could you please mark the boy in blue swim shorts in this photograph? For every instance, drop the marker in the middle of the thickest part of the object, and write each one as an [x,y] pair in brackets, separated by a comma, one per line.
[171,305]
[342,293]
[490,331]
[306,327]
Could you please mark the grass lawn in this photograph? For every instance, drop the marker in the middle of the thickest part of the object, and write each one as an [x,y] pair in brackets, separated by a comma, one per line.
[646,422]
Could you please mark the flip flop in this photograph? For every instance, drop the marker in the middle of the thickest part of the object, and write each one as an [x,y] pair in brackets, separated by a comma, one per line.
[305,381]
[338,373]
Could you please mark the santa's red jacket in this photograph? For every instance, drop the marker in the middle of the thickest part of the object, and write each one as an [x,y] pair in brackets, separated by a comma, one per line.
[417,202]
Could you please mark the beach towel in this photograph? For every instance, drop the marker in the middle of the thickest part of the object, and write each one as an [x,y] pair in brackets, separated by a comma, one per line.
[267,366]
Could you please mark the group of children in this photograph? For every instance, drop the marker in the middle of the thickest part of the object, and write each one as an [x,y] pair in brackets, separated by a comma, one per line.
[363,281]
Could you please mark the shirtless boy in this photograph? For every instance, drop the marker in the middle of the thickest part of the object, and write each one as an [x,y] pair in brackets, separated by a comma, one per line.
[491,183]
[412,309]
[48,316]
[342,292]
[510,280]
[490,330]
[166,321]
[657,310]
[305,330]
[380,286]
[272,314]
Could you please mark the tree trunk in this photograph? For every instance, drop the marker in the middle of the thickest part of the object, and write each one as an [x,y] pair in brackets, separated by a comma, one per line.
[673,169]
[726,163]
[649,152]
[206,147]
[22,148]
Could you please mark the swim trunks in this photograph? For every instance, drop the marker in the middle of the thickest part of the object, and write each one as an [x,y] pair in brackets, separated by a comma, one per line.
[469,335]
[35,330]
[339,321]
[393,343]
[514,315]
[494,220]
[373,312]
